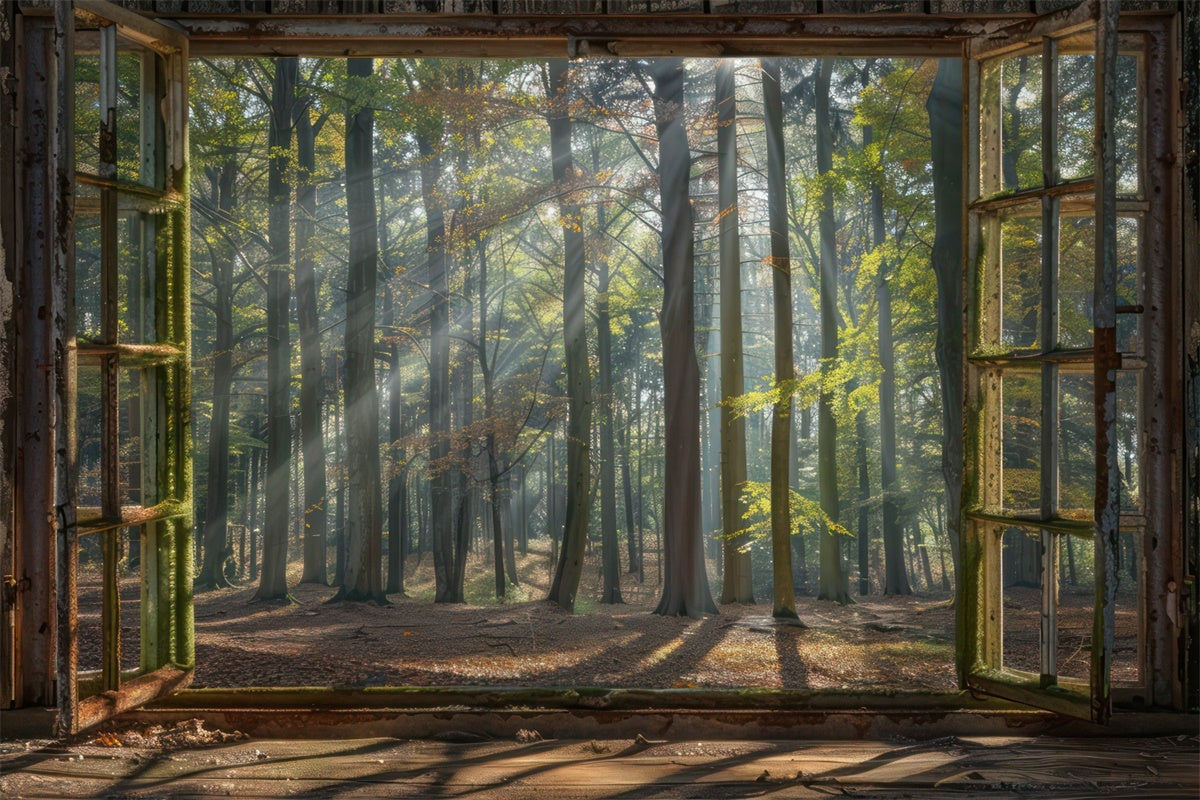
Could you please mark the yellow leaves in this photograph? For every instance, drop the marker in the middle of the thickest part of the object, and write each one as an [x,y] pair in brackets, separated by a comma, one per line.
[107,739]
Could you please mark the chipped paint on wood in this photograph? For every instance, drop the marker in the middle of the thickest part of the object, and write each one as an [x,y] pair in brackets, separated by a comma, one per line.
[9,259]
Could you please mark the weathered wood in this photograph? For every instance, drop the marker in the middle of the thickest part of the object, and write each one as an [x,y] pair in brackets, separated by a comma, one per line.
[992,767]
[550,7]
[39,362]
[9,259]
[133,694]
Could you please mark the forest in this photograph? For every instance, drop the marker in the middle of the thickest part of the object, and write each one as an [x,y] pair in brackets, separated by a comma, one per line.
[679,330]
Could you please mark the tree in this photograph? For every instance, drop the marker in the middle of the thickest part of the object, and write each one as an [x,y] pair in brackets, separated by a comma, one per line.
[273,578]
[216,517]
[364,533]
[685,584]
[579,388]
[737,586]
[783,588]
[832,583]
[308,320]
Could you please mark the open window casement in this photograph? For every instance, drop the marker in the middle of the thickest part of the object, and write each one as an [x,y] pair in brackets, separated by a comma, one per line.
[129,310]
[1041,480]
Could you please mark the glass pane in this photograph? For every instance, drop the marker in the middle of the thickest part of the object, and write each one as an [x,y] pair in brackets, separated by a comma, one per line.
[136,292]
[1021,570]
[1021,122]
[1021,280]
[89,432]
[129,115]
[88,323]
[1076,280]
[130,436]
[1129,283]
[1076,116]
[87,114]
[1129,126]
[1129,444]
[1076,119]
[1076,446]
[1127,660]
[1076,602]
[1021,478]
[90,600]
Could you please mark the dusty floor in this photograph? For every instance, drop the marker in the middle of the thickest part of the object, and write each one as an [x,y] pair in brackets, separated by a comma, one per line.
[190,761]
[876,643]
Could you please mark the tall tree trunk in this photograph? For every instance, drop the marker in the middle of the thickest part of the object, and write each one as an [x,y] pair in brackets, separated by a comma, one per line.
[579,389]
[312,389]
[364,532]
[610,543]
[783,582]
[397,510]
[945,121]
[440,478]
[832,584]
[737,585]
[895,579]
[216,523]
[486,367]
[273,579]
[685,584]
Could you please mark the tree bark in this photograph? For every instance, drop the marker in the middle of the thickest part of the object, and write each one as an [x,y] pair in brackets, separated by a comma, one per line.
[895,578]
[441,511]
[397,506]
[579,390]
[273,579]
[945,122]
[737,585]
[216,523]
[783,582]
[312,388]
[832,583]
[364,532]
[685,584]
[609,541]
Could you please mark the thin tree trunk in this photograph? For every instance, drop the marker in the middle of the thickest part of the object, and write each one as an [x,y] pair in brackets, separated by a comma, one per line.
[312,388]
[256,458]
[832,584]
[627,487]
[863,539]
[396,489]
[783,581]
[737,585]
[611,592]
[273,579]
[685,584]
[579,419]
[441,499]
[339,404]
[364,534]
[212,570]
[895,578]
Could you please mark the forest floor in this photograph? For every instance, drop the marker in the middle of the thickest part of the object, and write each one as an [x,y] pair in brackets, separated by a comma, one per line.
[876,643]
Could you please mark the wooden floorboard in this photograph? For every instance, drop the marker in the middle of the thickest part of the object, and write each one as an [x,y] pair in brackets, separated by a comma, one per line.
[980,767]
